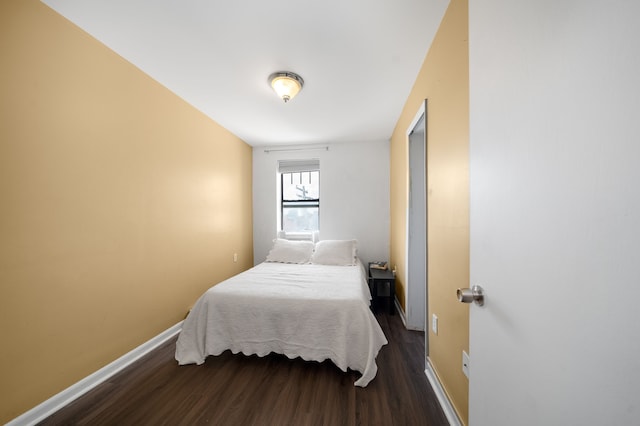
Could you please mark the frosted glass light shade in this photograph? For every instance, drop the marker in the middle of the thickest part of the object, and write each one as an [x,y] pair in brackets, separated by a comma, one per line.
[286,84]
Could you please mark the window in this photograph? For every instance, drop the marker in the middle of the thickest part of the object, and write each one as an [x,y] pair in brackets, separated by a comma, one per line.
[300,195]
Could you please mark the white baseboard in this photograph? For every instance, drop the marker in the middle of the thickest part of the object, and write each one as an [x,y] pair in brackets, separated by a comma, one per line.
[443,399]
[73,392]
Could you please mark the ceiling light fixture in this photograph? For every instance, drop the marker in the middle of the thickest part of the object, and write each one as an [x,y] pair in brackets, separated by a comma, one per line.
[286,84]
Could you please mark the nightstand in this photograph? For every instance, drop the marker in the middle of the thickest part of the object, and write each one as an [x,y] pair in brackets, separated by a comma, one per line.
[384,277]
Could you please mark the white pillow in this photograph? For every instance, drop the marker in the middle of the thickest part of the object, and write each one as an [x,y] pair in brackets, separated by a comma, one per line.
[335,252]
[285,251]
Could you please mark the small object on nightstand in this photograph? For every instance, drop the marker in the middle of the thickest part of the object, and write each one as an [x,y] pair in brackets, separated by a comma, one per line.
[379,265]
[378,276]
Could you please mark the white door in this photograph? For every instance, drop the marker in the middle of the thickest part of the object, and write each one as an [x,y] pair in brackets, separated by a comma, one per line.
[416,293]
[555,212]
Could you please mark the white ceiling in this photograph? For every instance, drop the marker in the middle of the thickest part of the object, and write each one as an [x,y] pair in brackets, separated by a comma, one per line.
[358,58]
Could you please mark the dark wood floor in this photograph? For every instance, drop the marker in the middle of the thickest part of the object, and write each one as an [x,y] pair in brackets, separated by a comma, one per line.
[274,390]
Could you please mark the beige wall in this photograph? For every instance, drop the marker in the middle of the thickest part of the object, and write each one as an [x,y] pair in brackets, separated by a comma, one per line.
[443,80]
[119,205]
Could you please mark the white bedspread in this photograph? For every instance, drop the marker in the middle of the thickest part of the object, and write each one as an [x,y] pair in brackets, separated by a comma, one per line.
[315,312]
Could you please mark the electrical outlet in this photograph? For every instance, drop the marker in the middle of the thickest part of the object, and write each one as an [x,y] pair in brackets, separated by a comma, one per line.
[434,324]
[235,257]
[465,363]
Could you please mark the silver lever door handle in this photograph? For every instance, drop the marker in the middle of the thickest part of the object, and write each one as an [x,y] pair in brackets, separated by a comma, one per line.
[474,294]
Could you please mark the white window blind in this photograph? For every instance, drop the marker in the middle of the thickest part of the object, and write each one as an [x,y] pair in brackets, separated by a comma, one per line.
[294,166]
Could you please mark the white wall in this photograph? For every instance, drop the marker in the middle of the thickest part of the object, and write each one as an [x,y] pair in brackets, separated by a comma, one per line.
[354,195]
[555,212]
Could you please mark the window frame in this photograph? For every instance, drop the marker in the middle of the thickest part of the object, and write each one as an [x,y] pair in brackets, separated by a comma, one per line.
[312,202]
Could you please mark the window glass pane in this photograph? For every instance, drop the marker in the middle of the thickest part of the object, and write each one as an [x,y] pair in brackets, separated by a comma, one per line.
[301,186]
[297,219]
[300,201]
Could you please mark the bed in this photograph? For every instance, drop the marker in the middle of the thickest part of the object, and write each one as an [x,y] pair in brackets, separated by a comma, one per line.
[306,300]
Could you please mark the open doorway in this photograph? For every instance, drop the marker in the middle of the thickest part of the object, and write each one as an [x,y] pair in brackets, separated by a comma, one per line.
[416,288]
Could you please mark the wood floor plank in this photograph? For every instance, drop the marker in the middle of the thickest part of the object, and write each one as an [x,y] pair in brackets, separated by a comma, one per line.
[274,390]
